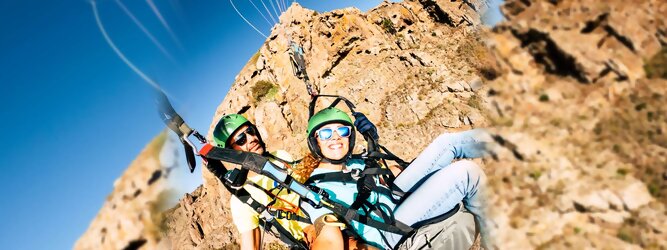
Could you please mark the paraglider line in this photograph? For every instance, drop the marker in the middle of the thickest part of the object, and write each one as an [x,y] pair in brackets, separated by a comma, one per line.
[143,29]
[268,11]
[274,11]
[277,6]
[119,53]
[246,20]
[260,12]
[164,23]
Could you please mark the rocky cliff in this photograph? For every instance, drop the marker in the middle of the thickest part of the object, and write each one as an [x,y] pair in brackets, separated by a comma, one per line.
[573,92]
[131,217]
[413,67]
[579,105]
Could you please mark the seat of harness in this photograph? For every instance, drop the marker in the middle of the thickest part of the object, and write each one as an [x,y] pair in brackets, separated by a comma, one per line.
[458,208]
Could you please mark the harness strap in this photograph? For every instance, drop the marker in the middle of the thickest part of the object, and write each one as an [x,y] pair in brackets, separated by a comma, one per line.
[268,222]
[387,155]
[348,215]
[261,165]
[277,213]
[377,210]
[349,176]
[364,179]
[365,187]
[267,218]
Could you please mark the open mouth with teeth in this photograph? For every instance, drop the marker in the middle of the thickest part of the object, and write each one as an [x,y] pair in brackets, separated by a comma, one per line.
[336,150]
[335,146]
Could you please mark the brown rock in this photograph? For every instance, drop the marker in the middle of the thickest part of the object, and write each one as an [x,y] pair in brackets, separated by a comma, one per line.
[545,116]
[131,217]
[592,202]
[611,218]
[635,195]
[387,61]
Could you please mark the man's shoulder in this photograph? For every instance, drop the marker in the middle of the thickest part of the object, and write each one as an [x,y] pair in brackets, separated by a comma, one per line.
[262,181]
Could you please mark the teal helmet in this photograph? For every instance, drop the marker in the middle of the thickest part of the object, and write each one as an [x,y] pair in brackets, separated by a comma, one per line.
[324,117]
[227,126]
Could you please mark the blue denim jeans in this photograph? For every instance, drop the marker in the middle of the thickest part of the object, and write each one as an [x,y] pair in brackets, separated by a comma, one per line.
[437,184]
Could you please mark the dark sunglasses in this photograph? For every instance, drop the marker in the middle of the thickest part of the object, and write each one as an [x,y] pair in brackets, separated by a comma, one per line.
[241,138]
[326,133]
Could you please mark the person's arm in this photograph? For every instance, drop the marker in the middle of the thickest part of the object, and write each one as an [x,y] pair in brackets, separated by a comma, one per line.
[351,243]
[328,234]
[246,221]
[329,237]
[250,239]
[354,244]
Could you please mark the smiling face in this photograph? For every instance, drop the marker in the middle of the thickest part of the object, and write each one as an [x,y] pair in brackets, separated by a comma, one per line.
[245,139]
[336,147]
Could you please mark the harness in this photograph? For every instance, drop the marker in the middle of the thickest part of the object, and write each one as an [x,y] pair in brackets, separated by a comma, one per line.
[232,179]
[374,155]
[376,152]
[261,165]
[314,196]
[258,164]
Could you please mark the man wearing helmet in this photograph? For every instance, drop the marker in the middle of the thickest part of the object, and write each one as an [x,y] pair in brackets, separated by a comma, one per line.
[236,132]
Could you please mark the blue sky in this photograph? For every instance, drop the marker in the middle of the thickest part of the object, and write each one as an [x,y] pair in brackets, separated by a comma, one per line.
[75,115]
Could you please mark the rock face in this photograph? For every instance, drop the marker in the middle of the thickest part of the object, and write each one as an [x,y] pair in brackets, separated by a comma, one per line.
[582,126]
[572,90]
[131,217]
[413,67]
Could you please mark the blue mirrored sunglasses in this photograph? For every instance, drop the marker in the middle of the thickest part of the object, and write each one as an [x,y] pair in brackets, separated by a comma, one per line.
[326,133]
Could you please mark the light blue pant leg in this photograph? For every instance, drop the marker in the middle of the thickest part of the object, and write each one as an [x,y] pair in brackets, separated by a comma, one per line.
[439,154]
[461,181]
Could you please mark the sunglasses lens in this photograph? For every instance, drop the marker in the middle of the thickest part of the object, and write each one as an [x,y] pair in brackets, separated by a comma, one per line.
[343,131]
[325,133]
[240,139]
[251,131]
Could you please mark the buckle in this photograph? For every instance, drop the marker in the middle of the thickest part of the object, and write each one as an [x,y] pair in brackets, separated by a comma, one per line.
[312,203]
[319,192]
[356,174]
[268,217]
[280,214]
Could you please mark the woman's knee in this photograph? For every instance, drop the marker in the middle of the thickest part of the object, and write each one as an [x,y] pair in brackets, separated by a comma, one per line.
[445,138]
[472,169]
[455,137]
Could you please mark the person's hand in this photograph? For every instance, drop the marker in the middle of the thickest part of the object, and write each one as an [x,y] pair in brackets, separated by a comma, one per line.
[364,125]
[309,234]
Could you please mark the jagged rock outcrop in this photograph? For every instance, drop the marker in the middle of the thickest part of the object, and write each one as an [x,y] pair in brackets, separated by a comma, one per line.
[574,91]
[413,67]
[582,126]
[131,217]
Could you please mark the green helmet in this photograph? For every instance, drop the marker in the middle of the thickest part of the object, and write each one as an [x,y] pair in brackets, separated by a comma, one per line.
[227,125]
[324,117]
